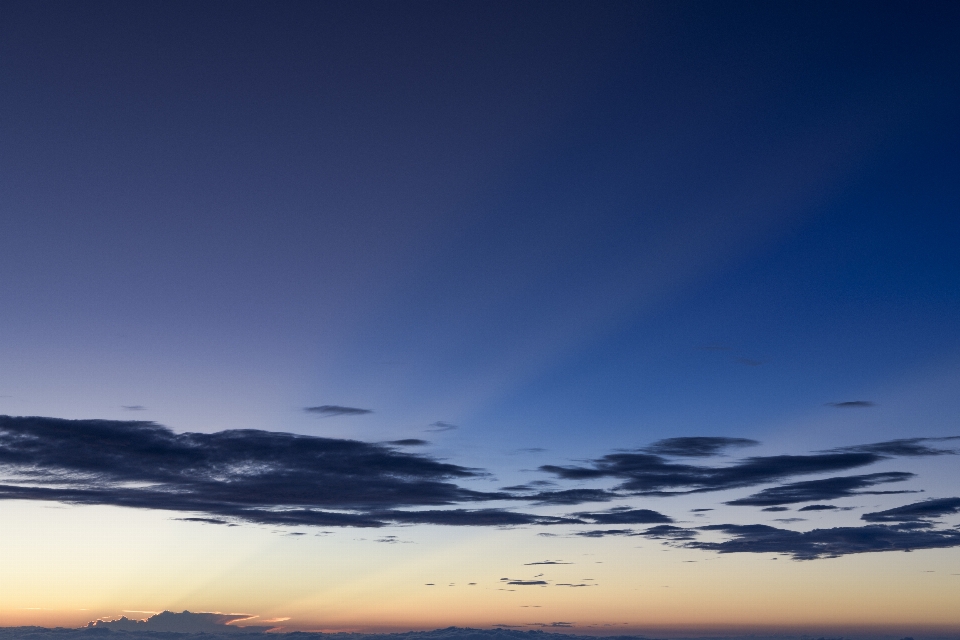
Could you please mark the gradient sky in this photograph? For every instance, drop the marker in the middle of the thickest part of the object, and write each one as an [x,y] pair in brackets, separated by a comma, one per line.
[532,234]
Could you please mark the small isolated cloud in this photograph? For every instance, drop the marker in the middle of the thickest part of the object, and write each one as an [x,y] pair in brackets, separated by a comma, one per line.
[818,507]
[603,533]
[825,489]
[409,442]
[528,583]
[133,407]
[624,516]
[206,520]
[333,410]
[569,584]
[700,510]
[851,404]
[918,511]
[530,564]
[438,427]
[696,447]
[531,450]
[789,520]
[776,509]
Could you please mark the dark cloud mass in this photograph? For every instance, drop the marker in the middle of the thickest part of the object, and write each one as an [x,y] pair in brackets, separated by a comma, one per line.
[624,516]
[825,543]
[826,489]
[257,476]
[906,447]
[696,447]
[573,496]
[645,473]
[925,510]
[851,404]
[331,410]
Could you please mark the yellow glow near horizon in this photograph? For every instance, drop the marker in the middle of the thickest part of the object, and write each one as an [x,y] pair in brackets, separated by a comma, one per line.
[66,566]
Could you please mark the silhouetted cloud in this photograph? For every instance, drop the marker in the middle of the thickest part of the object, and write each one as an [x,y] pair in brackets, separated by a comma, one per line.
[851,404]
[924,510]
[700,510]
[331,410]
[185,622]
[624,516]
[669,532]
[645,473]
[438,426]
[775,509]
[818,507]
[409,442]
[906,447]
[603,533]
[573,496]
[249,475]
[530,564]
[528,583]
[825,543]
[696,447]
[133,407]
[825,489]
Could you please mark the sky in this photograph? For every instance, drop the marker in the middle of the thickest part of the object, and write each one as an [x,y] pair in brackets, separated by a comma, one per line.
[621,317]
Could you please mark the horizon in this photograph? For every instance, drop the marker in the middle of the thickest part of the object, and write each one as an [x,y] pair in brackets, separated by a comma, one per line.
[622,318]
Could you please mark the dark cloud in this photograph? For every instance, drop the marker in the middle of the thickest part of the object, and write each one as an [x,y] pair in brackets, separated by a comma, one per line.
[409,442]
[438,427]
[534,485]
[700,510]
[775,509]
[603,533]
[207,520]
[133,407]
[332,410]
[696,447]
[925,510]
[825,543]
[907,447]
[573,496]
[531,450]
[530,564]
[244,475]
[825,489]
[789,520]
[669,532]
[818,507]
[649,474]
[624,516]
[528,583]
[851,404]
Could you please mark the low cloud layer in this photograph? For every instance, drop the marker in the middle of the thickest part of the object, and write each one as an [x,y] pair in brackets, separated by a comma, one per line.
[256,476]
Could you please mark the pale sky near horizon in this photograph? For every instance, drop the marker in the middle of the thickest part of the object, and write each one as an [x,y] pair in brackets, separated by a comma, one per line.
[612,263]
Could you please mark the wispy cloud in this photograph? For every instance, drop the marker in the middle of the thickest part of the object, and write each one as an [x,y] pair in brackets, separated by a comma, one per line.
[851,404]
[439,427]
[697,446]
[333,410]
